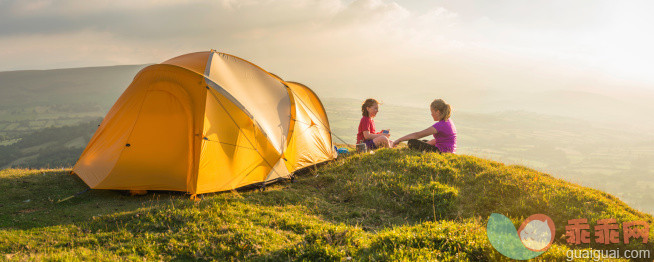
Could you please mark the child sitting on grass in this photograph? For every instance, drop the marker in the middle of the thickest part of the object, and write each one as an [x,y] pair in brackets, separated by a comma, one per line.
[443,131]
[367,134]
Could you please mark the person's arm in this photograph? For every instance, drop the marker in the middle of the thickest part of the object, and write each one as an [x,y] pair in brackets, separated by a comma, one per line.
[416,135]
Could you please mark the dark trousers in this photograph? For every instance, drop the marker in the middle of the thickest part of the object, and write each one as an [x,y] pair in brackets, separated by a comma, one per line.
[416,144]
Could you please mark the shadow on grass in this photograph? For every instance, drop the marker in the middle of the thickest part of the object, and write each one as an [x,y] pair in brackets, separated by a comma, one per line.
[43,198]
[371,209]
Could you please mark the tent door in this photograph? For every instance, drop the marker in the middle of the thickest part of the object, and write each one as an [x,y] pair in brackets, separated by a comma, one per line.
[159,146]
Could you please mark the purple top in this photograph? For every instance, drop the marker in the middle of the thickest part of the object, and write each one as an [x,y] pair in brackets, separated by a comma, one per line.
[445,136]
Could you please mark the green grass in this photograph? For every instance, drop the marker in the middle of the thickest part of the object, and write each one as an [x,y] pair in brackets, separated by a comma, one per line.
[391,205]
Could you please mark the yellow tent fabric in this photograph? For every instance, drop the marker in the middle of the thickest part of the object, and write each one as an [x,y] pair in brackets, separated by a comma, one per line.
[311,140]
[206,122]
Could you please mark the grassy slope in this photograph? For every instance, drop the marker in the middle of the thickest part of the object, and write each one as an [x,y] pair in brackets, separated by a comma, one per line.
[393,205]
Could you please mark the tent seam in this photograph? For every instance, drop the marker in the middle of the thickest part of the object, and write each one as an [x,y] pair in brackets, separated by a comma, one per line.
[246,138]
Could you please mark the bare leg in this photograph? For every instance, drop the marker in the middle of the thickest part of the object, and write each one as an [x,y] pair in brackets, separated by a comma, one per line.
[382,141]
[432,142]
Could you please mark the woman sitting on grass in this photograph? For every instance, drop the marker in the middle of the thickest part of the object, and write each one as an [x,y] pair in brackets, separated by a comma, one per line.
[443,131]
[367,134]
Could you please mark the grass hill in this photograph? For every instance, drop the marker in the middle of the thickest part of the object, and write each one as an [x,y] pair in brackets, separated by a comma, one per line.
[391,205]
[576,150]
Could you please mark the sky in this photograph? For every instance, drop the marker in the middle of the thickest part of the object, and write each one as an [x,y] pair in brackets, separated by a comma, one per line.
[349,43]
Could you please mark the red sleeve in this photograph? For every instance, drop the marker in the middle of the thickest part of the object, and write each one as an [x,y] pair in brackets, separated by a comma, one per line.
[371,125]
[365,125]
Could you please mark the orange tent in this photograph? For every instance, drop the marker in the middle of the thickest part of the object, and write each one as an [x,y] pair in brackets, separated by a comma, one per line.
[206,122]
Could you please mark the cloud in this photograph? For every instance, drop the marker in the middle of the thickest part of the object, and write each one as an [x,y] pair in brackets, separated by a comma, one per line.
[328,40]
[64,50]
[285,26]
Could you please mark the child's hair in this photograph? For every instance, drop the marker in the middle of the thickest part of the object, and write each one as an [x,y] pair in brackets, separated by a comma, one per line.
[443,107]
[368,103]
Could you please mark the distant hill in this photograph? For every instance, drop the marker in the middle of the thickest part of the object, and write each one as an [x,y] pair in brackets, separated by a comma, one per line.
[629,109]
[88,85]
[394,205]
[35,99]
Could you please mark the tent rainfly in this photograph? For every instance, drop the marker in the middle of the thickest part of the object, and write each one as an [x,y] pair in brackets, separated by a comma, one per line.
[206,122]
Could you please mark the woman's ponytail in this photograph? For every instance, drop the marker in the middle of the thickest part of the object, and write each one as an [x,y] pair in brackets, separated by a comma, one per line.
[444,108]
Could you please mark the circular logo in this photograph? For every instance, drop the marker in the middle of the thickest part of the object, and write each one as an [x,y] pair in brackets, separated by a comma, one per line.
[537,232]
[533,238]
